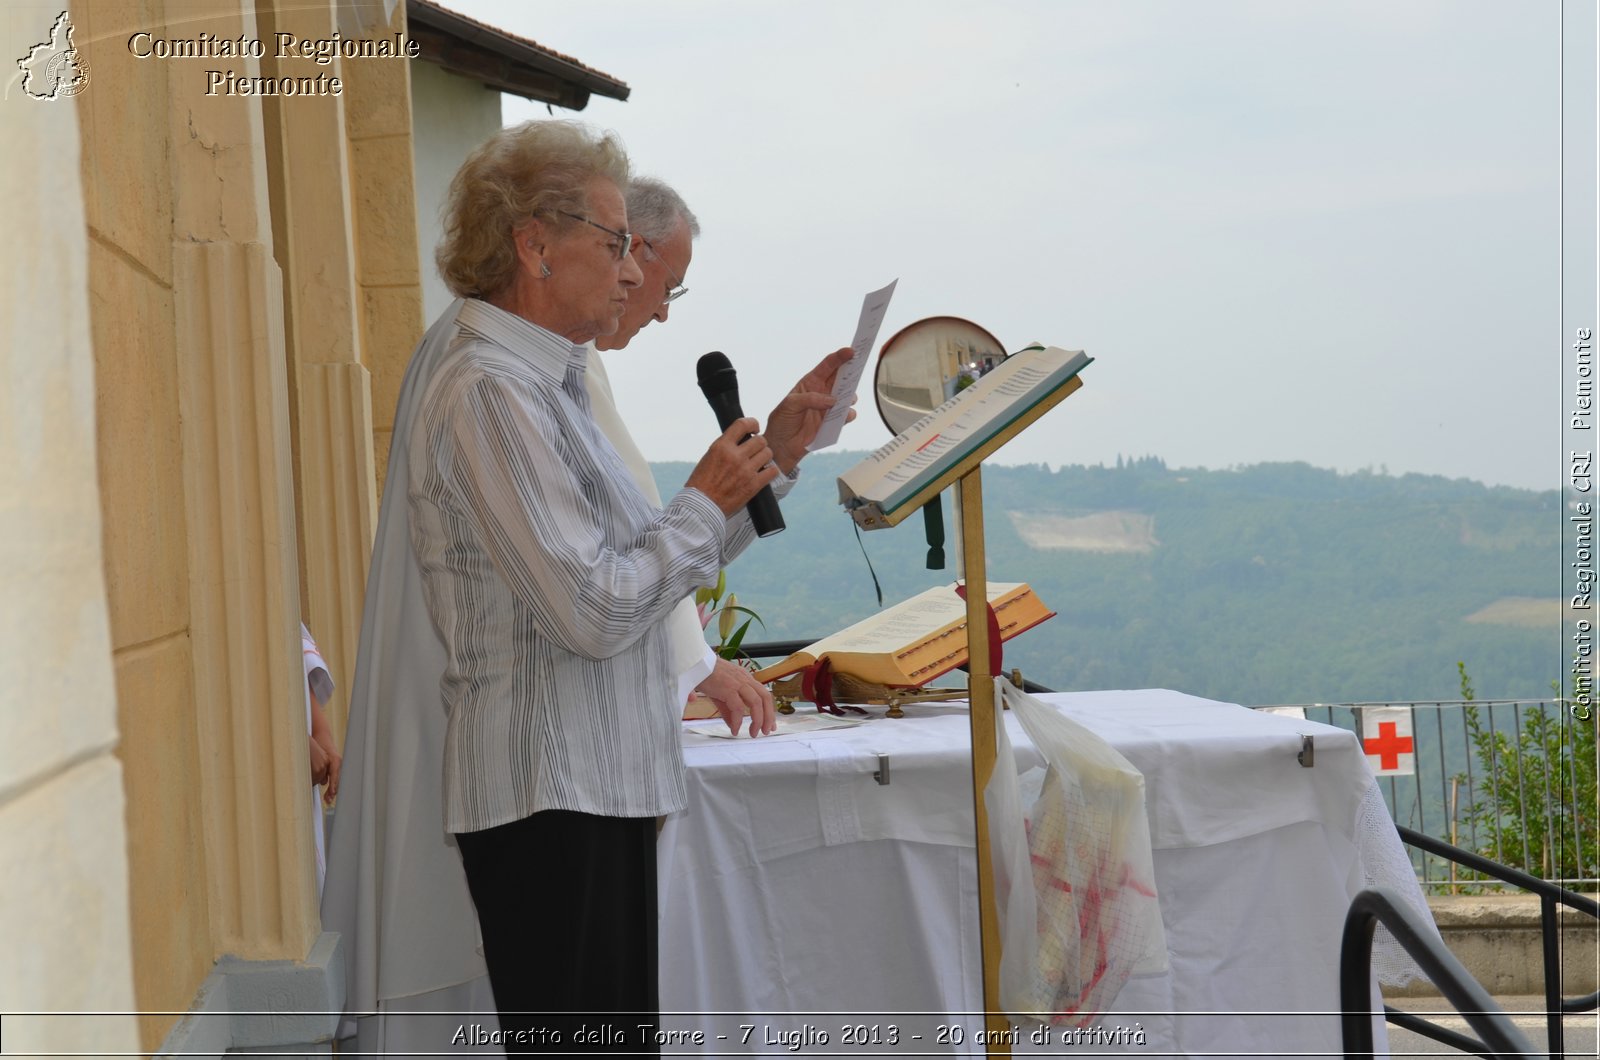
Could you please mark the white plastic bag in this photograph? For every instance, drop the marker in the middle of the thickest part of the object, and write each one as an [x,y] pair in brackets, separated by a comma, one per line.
[1074,878]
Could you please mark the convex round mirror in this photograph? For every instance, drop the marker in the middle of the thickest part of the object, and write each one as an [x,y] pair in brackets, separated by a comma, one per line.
[926,363]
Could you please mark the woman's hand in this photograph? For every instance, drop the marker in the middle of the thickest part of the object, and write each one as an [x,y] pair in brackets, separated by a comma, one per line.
[737,693]
[798,417]
[735,467]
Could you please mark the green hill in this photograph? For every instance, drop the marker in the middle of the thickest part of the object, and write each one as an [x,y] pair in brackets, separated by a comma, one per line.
[1278,583]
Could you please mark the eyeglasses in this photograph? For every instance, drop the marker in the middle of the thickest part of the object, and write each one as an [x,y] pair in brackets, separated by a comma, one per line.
[625,237]
[677,290]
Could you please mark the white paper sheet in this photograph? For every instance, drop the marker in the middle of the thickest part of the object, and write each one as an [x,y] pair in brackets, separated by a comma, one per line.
[873,307]
[788,725]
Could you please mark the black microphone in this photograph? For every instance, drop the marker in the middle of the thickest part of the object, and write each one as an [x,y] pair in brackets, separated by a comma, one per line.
[720,384]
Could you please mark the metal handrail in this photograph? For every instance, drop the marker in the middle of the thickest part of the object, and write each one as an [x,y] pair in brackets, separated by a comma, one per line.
[1550,895]
[1471,1000]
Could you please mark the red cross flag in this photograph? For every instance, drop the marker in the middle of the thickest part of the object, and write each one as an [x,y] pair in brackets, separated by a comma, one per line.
[1386,738]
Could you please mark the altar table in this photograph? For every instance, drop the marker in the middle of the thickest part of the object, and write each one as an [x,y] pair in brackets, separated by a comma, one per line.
[807,908]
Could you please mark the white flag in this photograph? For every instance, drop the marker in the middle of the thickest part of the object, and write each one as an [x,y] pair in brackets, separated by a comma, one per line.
[1386,738]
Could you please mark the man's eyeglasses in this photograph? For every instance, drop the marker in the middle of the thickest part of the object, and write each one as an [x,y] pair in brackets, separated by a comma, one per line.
[625,237]
[677,289]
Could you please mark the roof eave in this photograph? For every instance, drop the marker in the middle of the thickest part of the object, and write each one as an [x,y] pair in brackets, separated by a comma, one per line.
[503,62]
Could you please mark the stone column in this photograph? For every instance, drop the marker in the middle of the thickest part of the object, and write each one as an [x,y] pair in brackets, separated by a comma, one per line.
[379,129]
[330,390]
[244,596]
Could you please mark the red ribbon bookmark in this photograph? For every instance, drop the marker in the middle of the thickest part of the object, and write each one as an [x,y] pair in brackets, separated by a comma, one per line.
[996,665]
[816,686]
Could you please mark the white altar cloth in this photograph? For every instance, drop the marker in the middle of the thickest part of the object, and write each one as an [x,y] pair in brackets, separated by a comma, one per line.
[801,898]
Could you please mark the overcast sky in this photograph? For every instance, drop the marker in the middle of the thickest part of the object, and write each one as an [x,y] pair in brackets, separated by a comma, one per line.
[1319,231]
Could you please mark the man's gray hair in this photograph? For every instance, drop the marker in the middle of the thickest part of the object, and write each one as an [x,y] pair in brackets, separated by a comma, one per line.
[654,210]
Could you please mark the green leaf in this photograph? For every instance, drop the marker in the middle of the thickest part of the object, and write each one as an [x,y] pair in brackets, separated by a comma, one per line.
[730,650]
[752,614]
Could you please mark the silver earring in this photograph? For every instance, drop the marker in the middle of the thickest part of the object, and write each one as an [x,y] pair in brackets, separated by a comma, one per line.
[544,270]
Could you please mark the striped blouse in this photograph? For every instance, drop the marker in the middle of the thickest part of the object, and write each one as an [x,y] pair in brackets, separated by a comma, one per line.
[548,575]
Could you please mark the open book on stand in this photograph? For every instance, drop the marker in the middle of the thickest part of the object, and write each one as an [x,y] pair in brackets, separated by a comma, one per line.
[892,482]
[916,640]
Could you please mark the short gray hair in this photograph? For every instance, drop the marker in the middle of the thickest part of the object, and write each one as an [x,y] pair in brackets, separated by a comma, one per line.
[654,210]
[538,167]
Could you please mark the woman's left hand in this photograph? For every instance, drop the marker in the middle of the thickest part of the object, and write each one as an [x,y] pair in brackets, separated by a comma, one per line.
[736,693]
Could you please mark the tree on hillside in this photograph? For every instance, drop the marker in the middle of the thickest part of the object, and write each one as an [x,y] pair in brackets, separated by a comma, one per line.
[1538,806]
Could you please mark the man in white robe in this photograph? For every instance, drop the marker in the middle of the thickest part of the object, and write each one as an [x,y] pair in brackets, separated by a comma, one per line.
[664,231]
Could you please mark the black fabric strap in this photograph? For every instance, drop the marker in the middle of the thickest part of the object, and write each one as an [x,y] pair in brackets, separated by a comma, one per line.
[933,524]
[876,587]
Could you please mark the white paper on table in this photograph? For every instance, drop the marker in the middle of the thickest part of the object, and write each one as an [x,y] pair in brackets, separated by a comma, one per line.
[787,724]
[873,307]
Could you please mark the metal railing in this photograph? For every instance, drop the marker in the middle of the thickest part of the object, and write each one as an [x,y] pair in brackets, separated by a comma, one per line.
[1551,896]
[1500,1037]
[1508,780]
[1503,778]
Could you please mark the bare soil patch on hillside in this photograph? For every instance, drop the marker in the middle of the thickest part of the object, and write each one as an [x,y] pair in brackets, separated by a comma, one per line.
[1114,531]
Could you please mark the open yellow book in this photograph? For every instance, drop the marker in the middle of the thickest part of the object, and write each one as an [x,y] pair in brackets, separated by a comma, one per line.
[917,640]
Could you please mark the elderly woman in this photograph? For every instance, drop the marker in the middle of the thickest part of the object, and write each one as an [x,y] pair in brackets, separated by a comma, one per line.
[547,574]
[544,575]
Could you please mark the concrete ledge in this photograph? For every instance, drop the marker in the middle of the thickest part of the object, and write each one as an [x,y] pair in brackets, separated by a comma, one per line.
[286,1008]
[1498,938]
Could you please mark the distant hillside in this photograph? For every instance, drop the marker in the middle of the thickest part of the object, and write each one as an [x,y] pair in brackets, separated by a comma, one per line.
[1273,583]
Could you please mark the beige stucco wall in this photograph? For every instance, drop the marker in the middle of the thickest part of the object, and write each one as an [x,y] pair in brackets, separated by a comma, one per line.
[64,917]
[124,127]
[213,290]
[202,561]
[450,115]
[241,261]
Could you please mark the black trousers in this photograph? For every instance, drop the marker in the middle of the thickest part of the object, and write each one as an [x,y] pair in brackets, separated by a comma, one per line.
[567,906]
